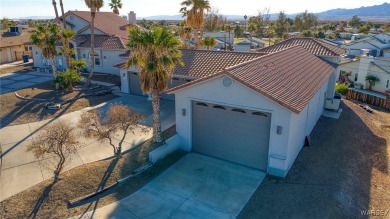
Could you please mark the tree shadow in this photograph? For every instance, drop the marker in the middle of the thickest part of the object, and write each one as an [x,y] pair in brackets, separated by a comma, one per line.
[41,200]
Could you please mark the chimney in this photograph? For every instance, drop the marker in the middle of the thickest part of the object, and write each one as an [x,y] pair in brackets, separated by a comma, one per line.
[132,18]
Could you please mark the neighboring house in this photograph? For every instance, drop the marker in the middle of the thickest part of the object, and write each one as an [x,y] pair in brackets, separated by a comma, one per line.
[248,44]
[368,65]
[259,43]
[197,64]
[256,113]
[14,43]
[376,44]
[345,35]
[221,36]
[110,40]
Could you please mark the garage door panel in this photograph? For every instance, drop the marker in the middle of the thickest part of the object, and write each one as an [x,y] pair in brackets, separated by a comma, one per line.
[235,136]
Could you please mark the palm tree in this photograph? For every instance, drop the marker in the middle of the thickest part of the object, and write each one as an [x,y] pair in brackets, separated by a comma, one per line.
[371,80]
[194,11]
[209,42]
[45,37]
[55,9]
[155,53]
[63,14]
[228,29]
[66,35]
[95,6]
[114,5]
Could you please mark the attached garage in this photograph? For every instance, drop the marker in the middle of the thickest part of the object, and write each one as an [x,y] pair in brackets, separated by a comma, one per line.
[234,134]
[257,113]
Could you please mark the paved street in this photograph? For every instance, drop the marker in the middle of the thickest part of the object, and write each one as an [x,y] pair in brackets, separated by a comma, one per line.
[21,170]
[16,81]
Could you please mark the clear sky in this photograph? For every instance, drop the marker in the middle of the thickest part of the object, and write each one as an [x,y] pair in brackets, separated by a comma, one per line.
[24,8]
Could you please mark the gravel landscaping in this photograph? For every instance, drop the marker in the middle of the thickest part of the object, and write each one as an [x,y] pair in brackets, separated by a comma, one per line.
[345,171]
[87,179]
[14,111]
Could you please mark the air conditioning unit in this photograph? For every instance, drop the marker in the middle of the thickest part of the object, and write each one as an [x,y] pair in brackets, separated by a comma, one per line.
[332,104]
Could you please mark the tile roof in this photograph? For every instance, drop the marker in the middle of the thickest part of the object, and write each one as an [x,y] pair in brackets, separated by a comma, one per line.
[8,40]
[107,22]
[315,46]
[201,63]
[101,41]
[290,77]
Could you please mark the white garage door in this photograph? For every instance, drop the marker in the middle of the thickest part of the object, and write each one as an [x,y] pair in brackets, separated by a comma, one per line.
[234,134]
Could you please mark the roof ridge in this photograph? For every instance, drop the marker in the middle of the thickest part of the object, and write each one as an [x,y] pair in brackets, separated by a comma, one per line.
[319,43]
[221,51]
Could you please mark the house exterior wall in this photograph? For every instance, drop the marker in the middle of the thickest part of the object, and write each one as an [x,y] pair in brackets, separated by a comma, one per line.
[76,21]
[242,47]
[386,53]
[12,53]
[242,97]
[108,58]
[384,79]
[356,48]
[302,124]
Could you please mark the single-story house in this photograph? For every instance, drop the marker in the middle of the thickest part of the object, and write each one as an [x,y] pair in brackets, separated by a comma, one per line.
[256,112]
[14,43]
[197,64]
[375,44]
[110,40]
[368,65]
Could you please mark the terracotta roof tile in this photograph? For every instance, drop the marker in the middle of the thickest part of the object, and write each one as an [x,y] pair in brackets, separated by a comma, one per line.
[315,46]
[290,77]
[201,63]
[107,22]
[101,41]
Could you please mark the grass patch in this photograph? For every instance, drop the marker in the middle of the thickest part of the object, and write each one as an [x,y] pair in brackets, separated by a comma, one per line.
[16,111]
[86,179]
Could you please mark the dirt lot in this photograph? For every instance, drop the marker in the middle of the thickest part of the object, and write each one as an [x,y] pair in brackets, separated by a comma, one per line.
[14,110]
[86,179]
[345,171]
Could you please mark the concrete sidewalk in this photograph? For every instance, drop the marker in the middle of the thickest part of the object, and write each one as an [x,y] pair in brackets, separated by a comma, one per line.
[20,170]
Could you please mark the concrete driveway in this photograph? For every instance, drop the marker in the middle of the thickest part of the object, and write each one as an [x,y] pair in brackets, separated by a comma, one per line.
[16,81]
[197,186]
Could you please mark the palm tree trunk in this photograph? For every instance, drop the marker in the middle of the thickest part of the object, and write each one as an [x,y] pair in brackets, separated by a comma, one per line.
[92,49]
[156,114]
[62,12]
[196,38]
[55,10]
[53,66]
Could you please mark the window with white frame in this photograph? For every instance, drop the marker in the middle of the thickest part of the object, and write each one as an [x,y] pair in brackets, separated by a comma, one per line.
[387,83]
[356,76]
[97,61]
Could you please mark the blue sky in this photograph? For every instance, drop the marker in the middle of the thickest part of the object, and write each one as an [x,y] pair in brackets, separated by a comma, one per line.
[23,8]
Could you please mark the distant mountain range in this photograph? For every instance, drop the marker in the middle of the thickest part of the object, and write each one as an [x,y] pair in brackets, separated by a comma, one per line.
[372,13]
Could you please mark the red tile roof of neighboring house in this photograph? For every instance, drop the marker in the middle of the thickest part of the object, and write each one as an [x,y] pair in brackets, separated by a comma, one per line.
[315,46]
[201,63]
[290,77]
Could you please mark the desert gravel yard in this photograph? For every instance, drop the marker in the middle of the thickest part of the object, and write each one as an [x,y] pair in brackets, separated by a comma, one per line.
[345,172]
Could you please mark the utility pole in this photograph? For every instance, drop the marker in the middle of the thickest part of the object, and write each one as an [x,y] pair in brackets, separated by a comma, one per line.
[245,17]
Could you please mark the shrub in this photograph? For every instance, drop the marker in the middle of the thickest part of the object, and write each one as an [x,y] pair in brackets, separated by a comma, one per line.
[342,88]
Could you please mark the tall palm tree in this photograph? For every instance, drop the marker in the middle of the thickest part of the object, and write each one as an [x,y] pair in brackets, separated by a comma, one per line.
[194,11]
[155,53]
[115,5]
[229,29]
[94,6]
[63,14]
[45,37]
[55,9]
[209,42]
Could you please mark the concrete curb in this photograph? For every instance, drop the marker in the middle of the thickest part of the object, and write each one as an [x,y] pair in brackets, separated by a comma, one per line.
[171,145]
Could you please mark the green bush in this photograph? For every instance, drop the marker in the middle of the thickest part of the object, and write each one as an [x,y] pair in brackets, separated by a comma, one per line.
[67,78]
[342,88]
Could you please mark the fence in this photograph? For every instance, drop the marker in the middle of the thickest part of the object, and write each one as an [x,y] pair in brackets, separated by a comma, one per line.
[372,98]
